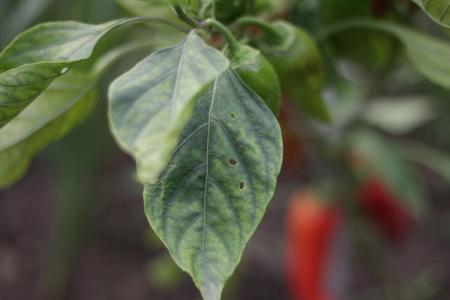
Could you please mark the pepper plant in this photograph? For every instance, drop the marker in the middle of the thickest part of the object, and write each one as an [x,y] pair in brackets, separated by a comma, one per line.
[199,117]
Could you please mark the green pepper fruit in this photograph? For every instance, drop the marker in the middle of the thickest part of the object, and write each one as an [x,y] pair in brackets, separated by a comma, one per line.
[256,71]
[252,67]
[299,65]
[229,10]
[369,48]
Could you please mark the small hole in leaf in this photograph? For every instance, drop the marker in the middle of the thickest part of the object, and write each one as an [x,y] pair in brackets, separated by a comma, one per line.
[233,116]
[64,70]
[241,185]
[232,161]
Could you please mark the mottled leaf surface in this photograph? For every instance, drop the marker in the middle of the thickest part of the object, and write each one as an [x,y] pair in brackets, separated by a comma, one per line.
[213,193]
[151,103]
[41,54]
[438,10]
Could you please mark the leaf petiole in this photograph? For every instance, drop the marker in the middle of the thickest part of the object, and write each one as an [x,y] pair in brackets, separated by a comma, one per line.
[225,32]
[165,22]
[263,25]
[183,16]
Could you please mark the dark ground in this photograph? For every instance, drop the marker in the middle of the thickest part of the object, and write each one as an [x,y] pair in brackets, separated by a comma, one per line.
[110,259]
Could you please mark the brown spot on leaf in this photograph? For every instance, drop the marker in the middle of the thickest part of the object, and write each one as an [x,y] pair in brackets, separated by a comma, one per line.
[232,161]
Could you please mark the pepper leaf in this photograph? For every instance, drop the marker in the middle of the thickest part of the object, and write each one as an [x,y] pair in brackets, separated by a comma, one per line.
[41,54]
[213,193]
[430,56]
[438,10]
[151,103]
[58,109]
[64,104]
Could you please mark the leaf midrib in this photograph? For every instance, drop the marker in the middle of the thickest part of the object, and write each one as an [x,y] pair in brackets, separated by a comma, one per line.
[208,139]
[173,99]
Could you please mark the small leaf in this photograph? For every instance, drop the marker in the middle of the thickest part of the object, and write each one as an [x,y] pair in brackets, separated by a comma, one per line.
[151,103]
[213,193]
[438,10]
[41,54]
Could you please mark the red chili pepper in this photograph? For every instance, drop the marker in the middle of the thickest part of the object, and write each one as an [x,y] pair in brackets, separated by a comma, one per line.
[311,225]
[293,148]
[384,210]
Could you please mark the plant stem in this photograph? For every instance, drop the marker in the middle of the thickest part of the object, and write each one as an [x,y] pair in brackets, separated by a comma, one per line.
[186,18]
[226,33]
[213,9]
[264,25]
[165,22]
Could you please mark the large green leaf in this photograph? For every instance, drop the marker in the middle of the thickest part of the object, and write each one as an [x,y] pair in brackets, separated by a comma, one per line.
[213,193]
[430,56]
[151,103]
[438,10]
[39,55]
[65,103]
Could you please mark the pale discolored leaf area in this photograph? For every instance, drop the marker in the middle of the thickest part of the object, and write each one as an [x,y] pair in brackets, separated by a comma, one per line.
[151,103]
[214,191]
[438,10]
[41,54]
